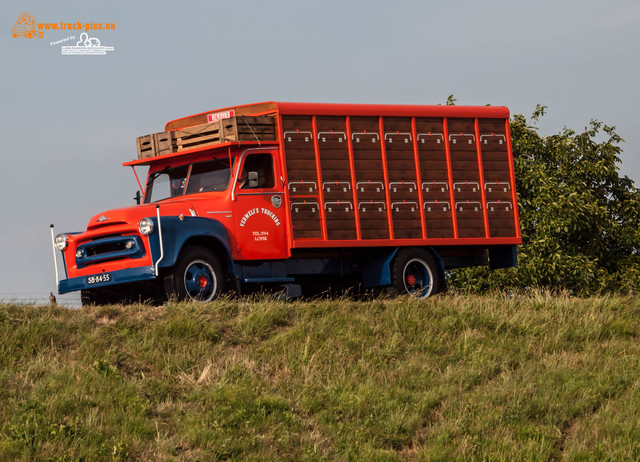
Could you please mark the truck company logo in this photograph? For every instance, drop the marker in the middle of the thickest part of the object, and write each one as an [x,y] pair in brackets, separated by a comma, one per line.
[262,210]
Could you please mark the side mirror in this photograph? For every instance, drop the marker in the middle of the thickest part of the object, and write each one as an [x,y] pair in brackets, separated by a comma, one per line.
[137,197]
[253,179]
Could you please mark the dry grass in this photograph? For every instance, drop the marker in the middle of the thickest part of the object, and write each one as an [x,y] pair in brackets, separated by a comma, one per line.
[455,377]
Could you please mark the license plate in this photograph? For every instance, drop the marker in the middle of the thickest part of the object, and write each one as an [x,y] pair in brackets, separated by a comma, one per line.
[98,278]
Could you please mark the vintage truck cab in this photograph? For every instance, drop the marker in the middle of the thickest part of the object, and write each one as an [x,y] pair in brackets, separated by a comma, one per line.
[189,229]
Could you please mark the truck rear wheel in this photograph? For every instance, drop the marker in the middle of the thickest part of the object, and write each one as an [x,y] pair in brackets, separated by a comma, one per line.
[196,276]
[415,272]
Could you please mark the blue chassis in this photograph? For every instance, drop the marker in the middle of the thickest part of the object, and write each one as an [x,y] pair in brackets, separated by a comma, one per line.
[177,232]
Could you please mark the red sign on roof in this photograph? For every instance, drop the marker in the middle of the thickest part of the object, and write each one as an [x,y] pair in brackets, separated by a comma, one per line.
[220,115]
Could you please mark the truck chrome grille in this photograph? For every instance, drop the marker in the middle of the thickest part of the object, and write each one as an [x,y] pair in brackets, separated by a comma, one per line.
[109,248]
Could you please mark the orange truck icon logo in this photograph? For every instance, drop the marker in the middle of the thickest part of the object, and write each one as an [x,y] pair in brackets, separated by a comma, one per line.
[26,27]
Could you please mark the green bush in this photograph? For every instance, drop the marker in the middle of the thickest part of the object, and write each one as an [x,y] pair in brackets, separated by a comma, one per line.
[580,218]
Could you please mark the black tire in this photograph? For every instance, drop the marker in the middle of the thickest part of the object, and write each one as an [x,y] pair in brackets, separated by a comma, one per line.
[121,294]
[415,272]
[93,297]
[197,276]
[102,296]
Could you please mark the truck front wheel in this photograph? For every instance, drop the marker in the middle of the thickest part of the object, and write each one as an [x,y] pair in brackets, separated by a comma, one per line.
[196,276]
[415,272]
[95,297]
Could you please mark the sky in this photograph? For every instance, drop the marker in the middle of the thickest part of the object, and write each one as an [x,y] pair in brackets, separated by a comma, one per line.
[68,122]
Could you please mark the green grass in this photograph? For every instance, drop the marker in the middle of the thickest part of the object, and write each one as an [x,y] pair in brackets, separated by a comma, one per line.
[455,377]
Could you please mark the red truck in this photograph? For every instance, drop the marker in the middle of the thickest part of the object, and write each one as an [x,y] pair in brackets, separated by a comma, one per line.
[305,195]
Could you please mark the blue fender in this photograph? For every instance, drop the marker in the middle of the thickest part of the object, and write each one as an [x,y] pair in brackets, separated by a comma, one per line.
[377,271]
[176,232]
[440,262]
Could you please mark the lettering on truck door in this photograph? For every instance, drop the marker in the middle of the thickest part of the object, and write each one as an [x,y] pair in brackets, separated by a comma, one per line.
[259,204]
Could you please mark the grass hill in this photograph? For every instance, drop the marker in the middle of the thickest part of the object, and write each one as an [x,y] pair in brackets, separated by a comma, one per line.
[454,377]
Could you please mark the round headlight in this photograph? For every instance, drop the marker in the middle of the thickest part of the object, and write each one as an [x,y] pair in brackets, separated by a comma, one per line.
[61,241]
[145,226]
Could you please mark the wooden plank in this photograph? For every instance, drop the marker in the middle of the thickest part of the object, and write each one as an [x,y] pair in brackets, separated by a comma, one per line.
[366,155]
[471,232]
[375,234]
[372,223]
[334,154]
[492,126]
[465,175]
[306,219]
[154,145]
[407,233]
[207,134]
[335,170]
[433,164]
[427,125]
[336,123]
[191,140]
[341,234]
[299,164]
[496,175]
[436,215]
[461,126]
[440,224]
[295,123]
[258,130]
[409,224]
[306,233]
[253,137]
[333,175]
[335,196]
[145,146]
[362,123]
[501,222]
[439,233]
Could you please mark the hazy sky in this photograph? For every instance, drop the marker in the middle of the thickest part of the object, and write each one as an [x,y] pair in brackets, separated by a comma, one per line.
[68,122]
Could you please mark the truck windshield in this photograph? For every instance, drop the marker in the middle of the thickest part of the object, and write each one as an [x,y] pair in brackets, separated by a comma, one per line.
[211,175]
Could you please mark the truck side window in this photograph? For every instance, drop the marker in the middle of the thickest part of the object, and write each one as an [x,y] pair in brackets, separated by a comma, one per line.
[263,165]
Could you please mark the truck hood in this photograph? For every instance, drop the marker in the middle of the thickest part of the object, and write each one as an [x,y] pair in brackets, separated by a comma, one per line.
[132,215]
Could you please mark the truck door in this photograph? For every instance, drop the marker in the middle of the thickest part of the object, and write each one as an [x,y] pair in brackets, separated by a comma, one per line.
[259,206]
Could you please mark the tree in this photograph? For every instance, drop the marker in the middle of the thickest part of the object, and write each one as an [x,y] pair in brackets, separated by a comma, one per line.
[580,220]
